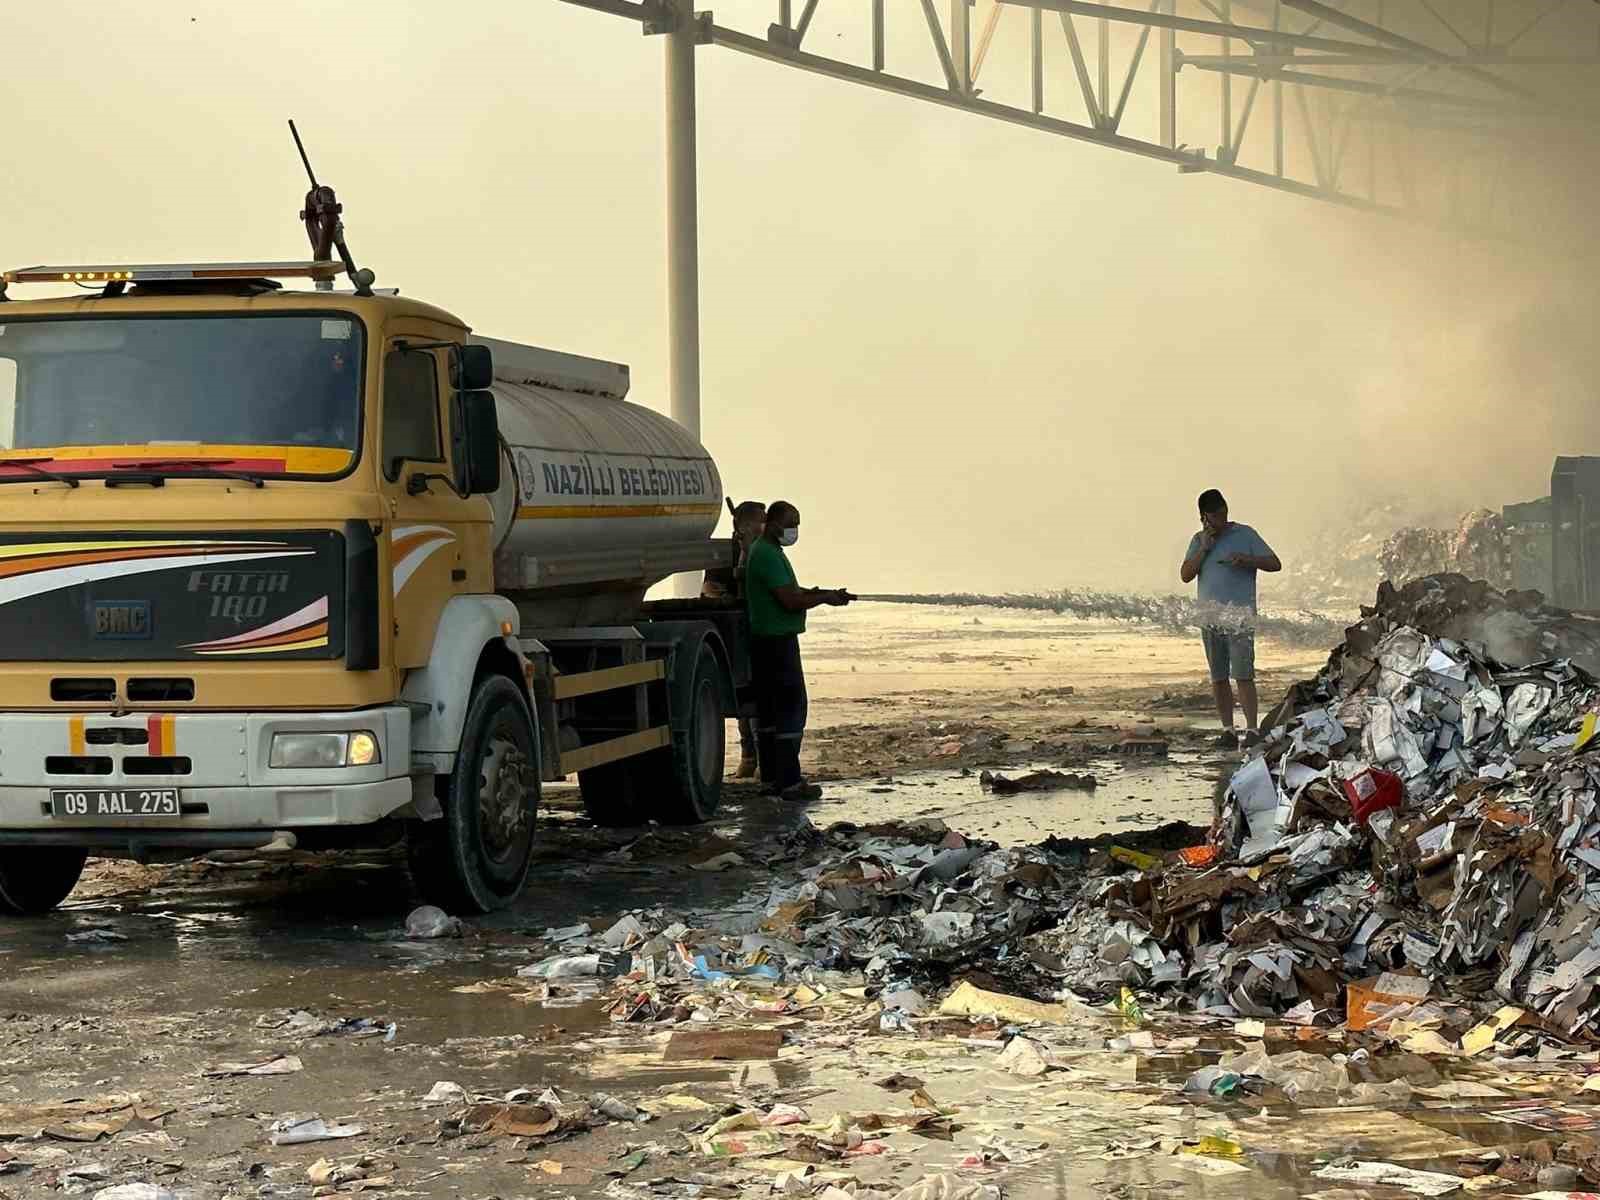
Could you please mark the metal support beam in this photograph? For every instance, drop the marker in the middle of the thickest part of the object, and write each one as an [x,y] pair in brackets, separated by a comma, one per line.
[946,63]
[1169,80]
[1036,58]
[961,42]
[1337,83]
[683,222]
[1244,120]
[1272,61]
[987,36]
[1388,37]
[805,21]
[1252,34]
[1090,105]
[1341,48]
[1104,64]
[1532,24]
[1466,42]
[1127,82]
[683,232]
[644,13]
[761,48]
[1277,104]
[1225,150]
[1318,166]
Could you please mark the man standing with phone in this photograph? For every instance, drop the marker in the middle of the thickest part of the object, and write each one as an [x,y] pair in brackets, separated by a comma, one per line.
[1225,556]
[777,606]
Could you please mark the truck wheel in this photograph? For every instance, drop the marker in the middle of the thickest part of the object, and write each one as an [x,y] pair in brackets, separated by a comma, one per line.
[611,794]
[685,778]
[34,879]
[476,857]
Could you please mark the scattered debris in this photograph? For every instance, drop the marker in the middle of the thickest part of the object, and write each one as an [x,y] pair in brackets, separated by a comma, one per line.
[728,1045]
[1036,781]
[721,862]
[970,1001]
[445,1092]
[135,1191]
[1376,1174]
[431,922]
[287,1064]
[298,1130]
[1474,870]
[1024,1057]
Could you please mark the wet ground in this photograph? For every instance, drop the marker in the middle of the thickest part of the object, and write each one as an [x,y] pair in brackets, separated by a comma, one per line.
[1130,793]
[151,978]
[201,965]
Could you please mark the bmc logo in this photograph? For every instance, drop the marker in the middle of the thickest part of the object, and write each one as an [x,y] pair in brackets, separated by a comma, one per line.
[121,619]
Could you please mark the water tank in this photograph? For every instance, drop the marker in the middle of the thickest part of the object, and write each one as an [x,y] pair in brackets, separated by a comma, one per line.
[597,494]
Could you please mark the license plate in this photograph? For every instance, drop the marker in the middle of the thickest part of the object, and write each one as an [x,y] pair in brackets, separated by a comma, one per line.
[91,804]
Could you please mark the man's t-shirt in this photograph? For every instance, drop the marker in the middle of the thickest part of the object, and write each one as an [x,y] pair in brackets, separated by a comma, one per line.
[1220,583]
[766,568]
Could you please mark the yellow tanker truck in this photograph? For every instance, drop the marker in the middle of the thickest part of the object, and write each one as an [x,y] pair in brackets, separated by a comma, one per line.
[317,567]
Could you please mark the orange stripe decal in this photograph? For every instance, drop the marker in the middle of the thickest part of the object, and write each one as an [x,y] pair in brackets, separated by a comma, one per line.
[316,629]
[311,643]
[75,743]
[169,734]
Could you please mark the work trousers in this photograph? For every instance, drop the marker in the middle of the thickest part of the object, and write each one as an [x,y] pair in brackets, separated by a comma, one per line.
[747,738]
[780,687]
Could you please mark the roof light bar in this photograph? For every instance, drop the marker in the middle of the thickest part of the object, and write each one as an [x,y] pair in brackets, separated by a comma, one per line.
[153,273]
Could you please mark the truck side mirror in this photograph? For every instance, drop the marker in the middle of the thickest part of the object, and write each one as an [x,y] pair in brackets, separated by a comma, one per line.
[476,435]
[472,368]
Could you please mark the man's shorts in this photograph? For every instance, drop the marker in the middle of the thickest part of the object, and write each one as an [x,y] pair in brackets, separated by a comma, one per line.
[1230,653]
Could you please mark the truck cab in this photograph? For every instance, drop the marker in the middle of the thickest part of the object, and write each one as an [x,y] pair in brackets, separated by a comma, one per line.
[248,592]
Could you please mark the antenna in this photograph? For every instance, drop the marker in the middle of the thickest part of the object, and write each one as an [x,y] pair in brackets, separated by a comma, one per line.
[301,146]
[324,228]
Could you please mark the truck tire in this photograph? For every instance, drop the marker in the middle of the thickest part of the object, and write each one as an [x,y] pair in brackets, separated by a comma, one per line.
[611,794]
[682,783]
[475,858]
[34,879]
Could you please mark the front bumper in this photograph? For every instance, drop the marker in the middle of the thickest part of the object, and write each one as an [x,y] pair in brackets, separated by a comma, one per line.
[219,763]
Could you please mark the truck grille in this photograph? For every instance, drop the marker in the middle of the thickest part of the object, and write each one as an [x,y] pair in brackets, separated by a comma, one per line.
[77,764]
[83,690]
[145,691]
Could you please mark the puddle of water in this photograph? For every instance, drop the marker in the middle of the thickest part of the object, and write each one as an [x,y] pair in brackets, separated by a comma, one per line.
[1132,794]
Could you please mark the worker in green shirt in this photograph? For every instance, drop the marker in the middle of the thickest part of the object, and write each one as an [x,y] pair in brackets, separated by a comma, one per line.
[777,606]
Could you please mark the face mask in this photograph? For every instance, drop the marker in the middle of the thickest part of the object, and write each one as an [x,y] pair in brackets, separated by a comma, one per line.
[788,537]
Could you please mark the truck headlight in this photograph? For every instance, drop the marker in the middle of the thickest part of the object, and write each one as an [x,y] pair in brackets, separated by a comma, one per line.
[309,750]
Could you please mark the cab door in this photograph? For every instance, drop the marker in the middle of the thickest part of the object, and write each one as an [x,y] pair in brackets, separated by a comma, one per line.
[429,531]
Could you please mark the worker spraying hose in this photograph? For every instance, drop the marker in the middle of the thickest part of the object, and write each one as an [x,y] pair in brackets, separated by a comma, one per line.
[778,606]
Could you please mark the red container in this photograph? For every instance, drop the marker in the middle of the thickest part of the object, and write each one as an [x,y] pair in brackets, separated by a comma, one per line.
[1371,791]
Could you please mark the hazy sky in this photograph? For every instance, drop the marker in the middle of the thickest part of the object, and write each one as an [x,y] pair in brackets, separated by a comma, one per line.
[976,356]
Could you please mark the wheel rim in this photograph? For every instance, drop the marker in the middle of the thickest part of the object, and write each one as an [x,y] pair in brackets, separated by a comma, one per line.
[708,733]
[504,822]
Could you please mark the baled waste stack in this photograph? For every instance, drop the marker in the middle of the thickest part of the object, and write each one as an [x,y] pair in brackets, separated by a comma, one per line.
[1482,882]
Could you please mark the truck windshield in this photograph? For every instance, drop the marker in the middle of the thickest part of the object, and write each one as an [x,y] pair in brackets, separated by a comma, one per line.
[264,393]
